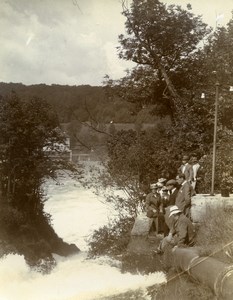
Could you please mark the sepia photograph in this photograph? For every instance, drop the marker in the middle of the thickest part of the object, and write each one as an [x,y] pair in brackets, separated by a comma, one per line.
[116,150]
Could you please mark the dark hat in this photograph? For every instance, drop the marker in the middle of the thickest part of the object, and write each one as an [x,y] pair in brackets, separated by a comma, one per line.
[171,182]
[185,157]
[162,180]
[164,189]
[153,186]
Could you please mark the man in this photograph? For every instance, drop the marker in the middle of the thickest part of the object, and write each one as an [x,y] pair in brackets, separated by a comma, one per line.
[186,169]
[172,188]
[153,202]
[182,233]
[183,198]
[196,167]
[172,185]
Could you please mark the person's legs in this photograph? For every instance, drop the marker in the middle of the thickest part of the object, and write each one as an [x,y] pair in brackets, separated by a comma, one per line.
[161,222]
[165,229]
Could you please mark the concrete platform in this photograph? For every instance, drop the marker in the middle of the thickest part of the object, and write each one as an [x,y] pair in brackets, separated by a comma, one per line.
[202,202]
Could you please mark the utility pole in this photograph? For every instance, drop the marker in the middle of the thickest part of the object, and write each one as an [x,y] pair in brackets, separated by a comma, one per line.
[215,136]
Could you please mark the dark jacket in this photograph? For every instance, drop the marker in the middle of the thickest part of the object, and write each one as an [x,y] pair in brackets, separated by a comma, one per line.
[183,232]
[172,197]
[188,171]
[153,201]
[183,198]
[169,221]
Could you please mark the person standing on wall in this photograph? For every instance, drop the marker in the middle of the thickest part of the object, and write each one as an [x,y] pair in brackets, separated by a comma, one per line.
[186,169]
[196,167]
[183,198]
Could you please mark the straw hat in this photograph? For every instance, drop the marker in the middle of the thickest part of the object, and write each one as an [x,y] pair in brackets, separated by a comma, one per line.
[174,210]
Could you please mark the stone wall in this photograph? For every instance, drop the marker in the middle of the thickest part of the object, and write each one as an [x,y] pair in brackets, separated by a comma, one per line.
[201,203]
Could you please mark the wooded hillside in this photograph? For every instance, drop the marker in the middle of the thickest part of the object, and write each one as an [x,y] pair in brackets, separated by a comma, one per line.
[82,103]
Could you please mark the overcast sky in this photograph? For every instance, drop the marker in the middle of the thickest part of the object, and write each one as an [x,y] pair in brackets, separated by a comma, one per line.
[72,41]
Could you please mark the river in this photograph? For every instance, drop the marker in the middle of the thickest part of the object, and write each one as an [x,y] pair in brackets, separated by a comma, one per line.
[76,212]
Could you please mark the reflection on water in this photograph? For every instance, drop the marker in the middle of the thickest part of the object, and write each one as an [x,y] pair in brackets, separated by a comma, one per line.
[76,212]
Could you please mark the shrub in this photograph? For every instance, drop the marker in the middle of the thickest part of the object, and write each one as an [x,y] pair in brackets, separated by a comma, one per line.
[111,239]
[10,220]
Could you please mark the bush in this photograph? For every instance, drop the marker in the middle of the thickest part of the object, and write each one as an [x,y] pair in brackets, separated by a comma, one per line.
[111,239]
[10,220]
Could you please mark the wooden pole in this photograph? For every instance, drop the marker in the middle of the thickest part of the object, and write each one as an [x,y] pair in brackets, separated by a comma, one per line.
[215,137]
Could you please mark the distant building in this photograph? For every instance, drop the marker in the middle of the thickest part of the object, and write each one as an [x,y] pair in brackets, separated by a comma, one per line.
[60,150]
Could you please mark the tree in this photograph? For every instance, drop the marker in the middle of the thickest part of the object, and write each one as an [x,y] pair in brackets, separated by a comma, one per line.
[160,37]
[27,130]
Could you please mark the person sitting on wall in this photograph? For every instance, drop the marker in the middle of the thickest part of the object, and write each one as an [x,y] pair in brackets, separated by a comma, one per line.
[182,232]
[153,202]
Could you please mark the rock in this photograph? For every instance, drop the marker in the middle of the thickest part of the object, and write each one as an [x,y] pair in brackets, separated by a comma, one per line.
[64,249]
[141,226]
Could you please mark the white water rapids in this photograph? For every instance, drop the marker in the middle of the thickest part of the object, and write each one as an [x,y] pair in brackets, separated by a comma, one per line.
[76,212]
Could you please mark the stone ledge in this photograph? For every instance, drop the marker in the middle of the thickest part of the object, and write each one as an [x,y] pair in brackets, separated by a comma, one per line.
[201,203]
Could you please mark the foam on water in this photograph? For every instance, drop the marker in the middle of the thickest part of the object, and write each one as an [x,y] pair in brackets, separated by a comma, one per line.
[76,212]
[73,278]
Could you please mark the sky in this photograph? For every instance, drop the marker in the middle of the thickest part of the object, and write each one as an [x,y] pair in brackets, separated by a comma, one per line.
[73,42]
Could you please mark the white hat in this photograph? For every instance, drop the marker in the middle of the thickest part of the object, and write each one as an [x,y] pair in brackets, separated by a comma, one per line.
[174,210]
[159,185]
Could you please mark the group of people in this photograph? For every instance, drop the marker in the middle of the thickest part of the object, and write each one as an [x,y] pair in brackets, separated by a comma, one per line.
[169,203]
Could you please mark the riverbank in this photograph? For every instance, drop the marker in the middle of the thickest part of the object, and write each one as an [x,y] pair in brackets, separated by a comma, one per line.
[34,239]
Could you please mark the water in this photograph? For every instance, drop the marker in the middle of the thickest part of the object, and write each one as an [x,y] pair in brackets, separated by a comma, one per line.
[76,212]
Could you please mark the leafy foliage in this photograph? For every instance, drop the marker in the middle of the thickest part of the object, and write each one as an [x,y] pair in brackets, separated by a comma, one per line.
[27,129]
[111,239]
[161,37]
[224,164]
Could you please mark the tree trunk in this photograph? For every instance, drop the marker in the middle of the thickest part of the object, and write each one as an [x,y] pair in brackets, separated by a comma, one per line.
[170,85]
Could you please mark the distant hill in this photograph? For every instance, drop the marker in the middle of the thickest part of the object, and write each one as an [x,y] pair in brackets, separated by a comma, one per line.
[83,103]
[82,108]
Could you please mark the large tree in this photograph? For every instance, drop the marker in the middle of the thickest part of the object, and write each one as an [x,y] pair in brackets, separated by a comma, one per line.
[161,37]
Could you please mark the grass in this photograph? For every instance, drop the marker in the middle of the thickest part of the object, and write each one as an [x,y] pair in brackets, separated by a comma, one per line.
[215,234]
